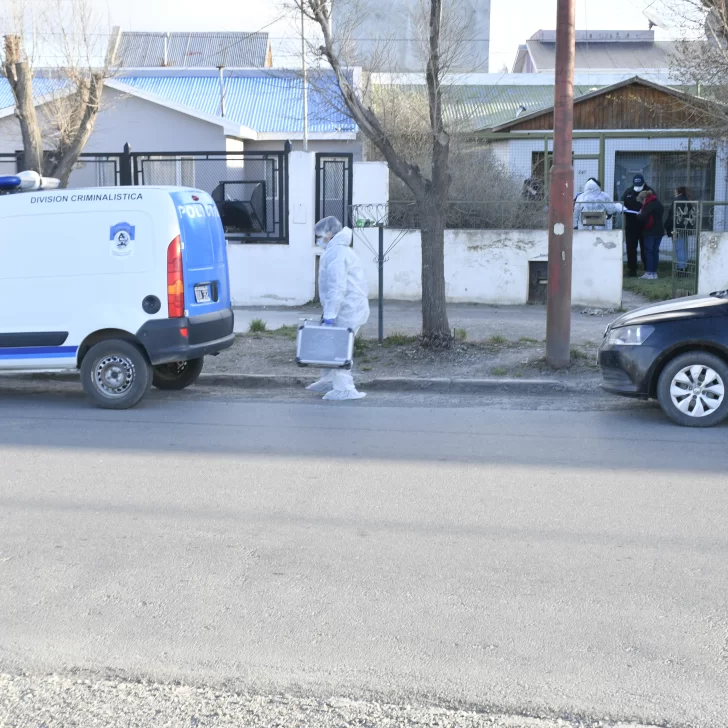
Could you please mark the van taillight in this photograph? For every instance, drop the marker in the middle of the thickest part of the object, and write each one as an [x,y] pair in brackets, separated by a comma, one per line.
[175,280]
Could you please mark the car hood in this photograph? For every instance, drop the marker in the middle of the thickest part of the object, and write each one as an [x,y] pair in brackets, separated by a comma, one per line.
[716,304]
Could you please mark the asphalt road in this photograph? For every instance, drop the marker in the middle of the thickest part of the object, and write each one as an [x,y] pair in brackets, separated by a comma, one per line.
[518,558]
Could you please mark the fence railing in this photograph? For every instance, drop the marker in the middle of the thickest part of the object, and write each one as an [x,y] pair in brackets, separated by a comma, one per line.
[250,188]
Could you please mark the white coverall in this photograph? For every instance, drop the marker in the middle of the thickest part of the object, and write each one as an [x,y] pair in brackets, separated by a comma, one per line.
[592,199]
[344,294]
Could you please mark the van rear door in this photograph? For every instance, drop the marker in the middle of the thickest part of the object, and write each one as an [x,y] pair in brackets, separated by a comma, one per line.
[205,267]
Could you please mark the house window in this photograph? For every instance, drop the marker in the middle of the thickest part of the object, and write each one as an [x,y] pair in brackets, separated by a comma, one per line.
[169,171]
[664,171]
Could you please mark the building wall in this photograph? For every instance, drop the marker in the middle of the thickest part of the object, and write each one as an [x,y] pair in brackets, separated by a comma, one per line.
[146,126]
[388,34]
[332,146]
[713,262]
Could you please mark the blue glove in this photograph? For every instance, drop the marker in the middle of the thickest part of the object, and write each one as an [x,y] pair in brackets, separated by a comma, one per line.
[328,322]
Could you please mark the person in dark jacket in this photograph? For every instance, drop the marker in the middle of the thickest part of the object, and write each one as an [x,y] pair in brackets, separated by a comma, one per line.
[633,231]
[651,217]
[681,223]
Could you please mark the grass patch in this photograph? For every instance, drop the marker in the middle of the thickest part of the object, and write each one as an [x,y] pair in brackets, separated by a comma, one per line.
[659,290]
[578,354]
[497,340]
[499,371]
[257,326]
[399,340]
[527,340]
[360,346]
[365,369]
[461,334]
[289,332]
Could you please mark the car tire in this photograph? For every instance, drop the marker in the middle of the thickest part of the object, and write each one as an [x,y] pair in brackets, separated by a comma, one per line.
[693,389]
[177,375]
[116,374]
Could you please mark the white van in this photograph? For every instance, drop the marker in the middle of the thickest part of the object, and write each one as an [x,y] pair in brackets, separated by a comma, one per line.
[127,284]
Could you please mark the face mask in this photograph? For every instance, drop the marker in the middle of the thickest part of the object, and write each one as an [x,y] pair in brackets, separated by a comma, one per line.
[639,189]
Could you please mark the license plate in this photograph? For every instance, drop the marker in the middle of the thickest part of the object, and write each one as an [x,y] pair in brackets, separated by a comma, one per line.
[202,294]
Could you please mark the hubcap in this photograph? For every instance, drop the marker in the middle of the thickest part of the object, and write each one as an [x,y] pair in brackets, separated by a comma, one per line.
[697,390]
[114,375]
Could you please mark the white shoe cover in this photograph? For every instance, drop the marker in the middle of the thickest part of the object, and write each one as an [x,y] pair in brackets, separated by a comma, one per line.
[322,385]
[338,395]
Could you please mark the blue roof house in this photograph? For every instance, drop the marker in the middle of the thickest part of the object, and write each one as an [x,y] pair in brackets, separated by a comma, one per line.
[203,110]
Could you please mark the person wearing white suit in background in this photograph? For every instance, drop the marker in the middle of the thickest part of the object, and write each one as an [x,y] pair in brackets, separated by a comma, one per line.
[344,294]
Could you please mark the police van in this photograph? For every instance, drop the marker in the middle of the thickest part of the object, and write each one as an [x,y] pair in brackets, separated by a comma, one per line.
[129,285]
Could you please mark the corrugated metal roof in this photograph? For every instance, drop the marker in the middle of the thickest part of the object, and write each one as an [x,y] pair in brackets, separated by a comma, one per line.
[191,50]
[601,56]
[41,87]
[471,108]
[272,103]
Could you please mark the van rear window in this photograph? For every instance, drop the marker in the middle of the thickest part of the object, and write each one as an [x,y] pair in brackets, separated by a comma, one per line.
[196,227]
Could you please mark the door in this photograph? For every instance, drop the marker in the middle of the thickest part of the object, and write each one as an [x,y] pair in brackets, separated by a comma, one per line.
[334,182]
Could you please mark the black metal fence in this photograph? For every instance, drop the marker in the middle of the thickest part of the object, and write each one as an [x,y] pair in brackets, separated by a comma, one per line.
[250,188]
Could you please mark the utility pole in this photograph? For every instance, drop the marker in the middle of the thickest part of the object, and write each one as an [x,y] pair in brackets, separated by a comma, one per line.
[561,198]
[305,80]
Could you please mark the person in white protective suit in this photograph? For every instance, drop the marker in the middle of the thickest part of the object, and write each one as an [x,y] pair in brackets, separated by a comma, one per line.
[592,199]
[344,294]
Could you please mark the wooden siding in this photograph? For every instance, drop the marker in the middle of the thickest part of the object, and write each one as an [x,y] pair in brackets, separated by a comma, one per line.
[630,107]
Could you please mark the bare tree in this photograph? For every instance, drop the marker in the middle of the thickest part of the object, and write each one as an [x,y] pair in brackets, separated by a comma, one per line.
[430,185]
[55,126]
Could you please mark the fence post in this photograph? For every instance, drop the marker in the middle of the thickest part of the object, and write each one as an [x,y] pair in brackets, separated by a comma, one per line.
[126,178]
[380,259]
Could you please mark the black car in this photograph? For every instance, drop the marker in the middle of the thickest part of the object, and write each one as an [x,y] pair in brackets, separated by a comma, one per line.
[675,352]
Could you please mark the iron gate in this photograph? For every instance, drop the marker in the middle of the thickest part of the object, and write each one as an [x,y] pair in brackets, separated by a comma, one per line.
[685,248]
[334,184]
[249,188]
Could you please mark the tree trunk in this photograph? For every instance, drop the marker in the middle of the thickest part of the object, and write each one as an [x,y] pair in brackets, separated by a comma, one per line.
[435,326]
[20,78]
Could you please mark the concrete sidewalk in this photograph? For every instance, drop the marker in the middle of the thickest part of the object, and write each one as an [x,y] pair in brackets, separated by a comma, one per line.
[479,321]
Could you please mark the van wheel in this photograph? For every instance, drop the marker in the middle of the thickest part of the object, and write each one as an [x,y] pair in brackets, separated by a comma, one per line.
[178,374]
[692,389]
[116,374]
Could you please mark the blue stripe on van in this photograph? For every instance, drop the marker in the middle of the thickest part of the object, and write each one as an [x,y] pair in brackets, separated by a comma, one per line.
[38,352]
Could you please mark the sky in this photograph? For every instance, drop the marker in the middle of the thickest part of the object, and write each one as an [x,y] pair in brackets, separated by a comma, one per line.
[512,21]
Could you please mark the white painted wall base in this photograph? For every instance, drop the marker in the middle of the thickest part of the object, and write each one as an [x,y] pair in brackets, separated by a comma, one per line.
[491,266]
[713,262]
[481,266]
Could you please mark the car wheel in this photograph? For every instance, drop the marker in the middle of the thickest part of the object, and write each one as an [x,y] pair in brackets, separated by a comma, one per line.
[178,374]
[116,374]
[692,389]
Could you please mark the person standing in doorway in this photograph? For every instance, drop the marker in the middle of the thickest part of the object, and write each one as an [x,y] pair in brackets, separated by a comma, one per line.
[680,225]
[651,217]
[633,227]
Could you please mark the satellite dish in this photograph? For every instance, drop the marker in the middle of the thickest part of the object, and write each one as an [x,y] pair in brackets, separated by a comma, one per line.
[655,20]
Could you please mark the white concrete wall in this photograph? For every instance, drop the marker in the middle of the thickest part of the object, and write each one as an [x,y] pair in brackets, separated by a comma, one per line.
[371,183]
[281,275]
[285,275]
[491,266]
[713,262]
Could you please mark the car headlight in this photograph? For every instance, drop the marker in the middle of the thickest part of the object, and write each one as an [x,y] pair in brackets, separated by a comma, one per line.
[630,335]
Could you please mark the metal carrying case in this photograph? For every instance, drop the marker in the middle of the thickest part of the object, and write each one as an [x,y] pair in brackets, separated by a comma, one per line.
[329,347]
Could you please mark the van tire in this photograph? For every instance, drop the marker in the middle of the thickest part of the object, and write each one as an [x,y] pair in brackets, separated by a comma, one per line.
[115,360]
[177,375]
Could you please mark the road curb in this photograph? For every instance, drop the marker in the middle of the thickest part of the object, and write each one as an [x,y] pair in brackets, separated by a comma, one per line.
[499,385]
